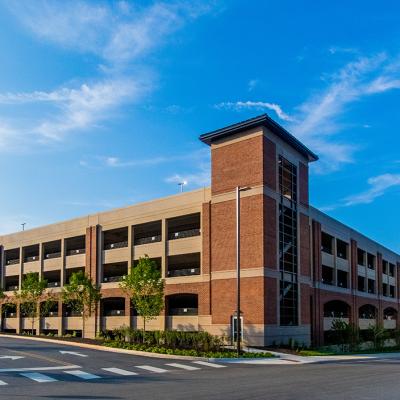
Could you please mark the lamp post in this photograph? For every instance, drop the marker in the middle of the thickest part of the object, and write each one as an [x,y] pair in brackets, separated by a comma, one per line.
[181,185]
[238,324]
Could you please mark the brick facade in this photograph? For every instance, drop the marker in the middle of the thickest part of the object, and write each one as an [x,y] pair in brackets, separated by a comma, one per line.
[247,155]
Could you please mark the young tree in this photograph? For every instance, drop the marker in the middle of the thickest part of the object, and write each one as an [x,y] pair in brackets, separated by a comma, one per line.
[145,288]
[82,295]
[31,296]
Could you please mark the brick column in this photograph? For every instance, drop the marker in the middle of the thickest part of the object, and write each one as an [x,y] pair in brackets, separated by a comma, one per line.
[92,252]
[93,249]
[60,316]
[164,239]
[354,280]
[379,270]
[130,247]
[397,293]
[63,262]
[317,317]
[21,266]
[19,321]
[128,311]
[206,251]
[2,266]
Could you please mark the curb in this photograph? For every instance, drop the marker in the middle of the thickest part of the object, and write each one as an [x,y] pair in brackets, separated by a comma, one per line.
[109,349]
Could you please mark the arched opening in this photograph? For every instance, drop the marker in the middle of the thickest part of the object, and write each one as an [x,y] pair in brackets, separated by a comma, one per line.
[367,311]
[182,304]
[334,310]
[389,318]
[367,316]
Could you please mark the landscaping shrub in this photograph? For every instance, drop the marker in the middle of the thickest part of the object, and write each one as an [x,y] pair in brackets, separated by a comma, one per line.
[197,341]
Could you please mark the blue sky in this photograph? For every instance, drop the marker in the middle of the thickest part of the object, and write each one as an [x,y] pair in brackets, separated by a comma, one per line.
[115,94]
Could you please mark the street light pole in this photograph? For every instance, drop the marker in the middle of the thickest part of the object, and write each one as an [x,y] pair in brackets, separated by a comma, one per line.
[238,321]
[238,271]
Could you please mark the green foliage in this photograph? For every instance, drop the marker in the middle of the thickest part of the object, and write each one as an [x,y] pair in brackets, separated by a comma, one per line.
[376,334]
[199,341]
[172,342]
[82,295]
[346,335]
[145,288]
[31,295]
[187,352]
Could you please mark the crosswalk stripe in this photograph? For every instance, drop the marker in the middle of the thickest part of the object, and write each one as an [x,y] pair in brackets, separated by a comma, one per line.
[120,371]
[82,374]
[2,383]
[152,369]
[38,377]
[208,364]
[183,366]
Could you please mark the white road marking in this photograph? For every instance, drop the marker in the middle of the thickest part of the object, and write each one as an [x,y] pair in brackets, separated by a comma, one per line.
[120,371]
[82,374]
[183,366]
[2,383]
[208,364]
[12,357]
[38,368]
[152,369]
[74,353]
[36,376]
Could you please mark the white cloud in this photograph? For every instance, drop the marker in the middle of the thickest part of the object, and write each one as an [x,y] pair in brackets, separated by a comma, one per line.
[257,105]
[118,34]
[77,109]
[198,178]
[252,84]
[201,156]
[318,121]
[378,187]
[339,49]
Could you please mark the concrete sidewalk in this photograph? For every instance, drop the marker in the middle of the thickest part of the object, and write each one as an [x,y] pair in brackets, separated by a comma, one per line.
[292,359]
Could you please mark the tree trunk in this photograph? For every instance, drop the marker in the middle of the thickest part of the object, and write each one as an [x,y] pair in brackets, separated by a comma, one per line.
[32,324]
[83,325]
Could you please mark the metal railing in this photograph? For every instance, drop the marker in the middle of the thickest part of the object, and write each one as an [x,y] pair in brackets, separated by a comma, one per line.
[327,250]
[183,271]
[184,234]
[12,287]
[10,315]
[53,255]
[107,279]
[72,314]
[31,258]
[12,262]
[147,240]
[114,313]
[336,314]
[183,311]
[51,314]
[53,284]
[74,252]
[118,245]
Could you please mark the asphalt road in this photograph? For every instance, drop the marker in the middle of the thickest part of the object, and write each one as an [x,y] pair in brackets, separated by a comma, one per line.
[43,372]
